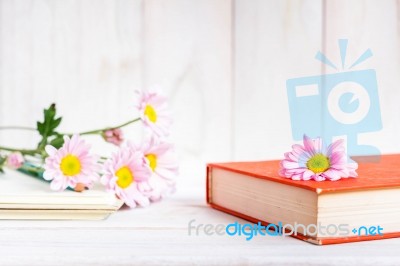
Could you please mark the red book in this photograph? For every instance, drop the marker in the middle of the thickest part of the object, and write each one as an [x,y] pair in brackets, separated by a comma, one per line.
[328,212]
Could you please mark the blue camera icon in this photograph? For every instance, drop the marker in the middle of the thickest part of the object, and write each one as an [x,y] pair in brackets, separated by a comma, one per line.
[333,105]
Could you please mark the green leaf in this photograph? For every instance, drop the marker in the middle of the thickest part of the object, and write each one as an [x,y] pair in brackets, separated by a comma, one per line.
[47,128]
[57,141]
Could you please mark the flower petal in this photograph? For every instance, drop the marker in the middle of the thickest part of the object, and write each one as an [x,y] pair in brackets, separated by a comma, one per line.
[337,146]
[307,174]
[332,174]
[290,165]
[308,145]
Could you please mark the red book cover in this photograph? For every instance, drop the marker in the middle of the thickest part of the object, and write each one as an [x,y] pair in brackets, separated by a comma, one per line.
[372,175]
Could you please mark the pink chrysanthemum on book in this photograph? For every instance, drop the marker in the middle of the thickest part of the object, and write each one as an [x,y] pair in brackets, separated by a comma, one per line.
[70,165]
[123,173]
[161,159]
[313,160]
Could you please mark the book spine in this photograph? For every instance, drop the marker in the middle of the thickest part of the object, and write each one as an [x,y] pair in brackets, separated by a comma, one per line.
[208,184]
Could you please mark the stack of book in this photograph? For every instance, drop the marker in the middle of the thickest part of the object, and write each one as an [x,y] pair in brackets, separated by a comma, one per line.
[27,197]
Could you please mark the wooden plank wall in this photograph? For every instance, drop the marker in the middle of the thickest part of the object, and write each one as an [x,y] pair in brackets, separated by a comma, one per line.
[223,63]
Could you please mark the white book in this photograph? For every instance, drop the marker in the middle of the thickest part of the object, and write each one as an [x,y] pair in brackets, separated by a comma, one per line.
[27,197]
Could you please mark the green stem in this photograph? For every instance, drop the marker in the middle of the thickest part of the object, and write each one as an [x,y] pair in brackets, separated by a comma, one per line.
[98,131]
[17,128]
[40,149]
[23,151]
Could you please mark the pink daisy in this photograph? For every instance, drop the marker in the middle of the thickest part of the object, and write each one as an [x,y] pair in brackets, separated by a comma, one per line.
[154,112]
[70,165]
[161,159]
[314,161]
[123,173]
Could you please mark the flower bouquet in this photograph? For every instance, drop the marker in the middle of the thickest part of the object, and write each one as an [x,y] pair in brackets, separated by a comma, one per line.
[138,173]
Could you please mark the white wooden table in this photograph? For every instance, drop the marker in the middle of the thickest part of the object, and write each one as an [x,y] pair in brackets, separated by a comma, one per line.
[158,235]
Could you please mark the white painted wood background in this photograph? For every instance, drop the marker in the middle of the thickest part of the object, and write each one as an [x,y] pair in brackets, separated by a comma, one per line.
[224,65]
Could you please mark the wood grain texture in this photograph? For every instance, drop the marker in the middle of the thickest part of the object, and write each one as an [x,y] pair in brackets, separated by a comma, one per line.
[274,41]
[90,56]
[370,25]
[224,65]
[83,55]
[187,51]
[137,237]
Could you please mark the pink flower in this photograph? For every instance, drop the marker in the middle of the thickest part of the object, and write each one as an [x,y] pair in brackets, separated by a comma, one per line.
[123,173]
[314,161]
[15,160]
[154,112]
[161,159]
[114,136]
[70,165]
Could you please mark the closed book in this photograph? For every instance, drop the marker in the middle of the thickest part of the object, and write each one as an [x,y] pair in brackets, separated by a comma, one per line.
[26,197]
[328,212]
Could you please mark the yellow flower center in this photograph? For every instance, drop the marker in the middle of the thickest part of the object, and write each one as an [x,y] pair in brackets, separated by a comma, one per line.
[152,161]
[318,163]
[150,113]
[125,177]
[70,165]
